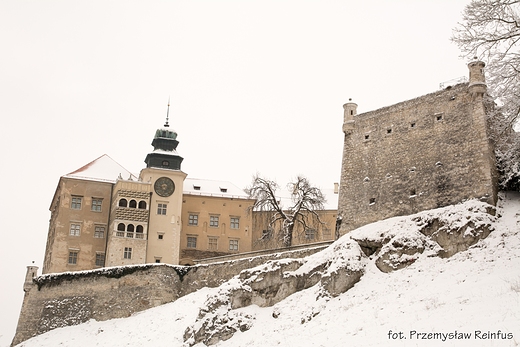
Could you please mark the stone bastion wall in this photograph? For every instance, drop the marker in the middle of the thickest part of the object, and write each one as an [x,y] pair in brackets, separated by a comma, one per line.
[64,299]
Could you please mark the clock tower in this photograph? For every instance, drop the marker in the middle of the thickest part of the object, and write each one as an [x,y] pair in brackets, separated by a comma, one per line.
[163,171]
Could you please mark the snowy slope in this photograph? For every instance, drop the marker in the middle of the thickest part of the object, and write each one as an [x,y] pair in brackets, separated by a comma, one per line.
[476,292]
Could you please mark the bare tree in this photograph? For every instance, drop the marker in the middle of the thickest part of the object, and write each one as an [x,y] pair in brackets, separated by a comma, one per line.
[490,31]
[284,220]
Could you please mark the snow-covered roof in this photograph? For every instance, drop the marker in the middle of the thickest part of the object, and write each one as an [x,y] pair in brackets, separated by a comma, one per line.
[103,169]
[331,198]
[195,186]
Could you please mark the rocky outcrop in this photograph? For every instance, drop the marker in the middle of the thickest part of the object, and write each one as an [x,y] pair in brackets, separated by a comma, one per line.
[398,242]
[334,270]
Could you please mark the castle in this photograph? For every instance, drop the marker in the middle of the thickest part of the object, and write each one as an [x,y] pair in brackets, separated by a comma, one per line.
[102,215]
[416,155]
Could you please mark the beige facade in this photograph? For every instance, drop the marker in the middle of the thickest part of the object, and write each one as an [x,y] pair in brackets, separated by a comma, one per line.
[129,223]
[165,217]
[264,238]
[78,225]
[214,223]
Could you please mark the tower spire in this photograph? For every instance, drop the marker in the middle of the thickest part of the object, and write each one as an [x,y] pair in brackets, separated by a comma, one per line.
[166,125]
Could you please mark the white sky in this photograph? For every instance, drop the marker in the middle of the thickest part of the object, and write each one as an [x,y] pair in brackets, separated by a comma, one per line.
[255,86]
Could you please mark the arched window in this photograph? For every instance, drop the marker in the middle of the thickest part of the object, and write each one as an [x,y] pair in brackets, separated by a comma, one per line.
[130,230]
[123,203]
[121,227]
[139,232]
[142,205]
[132,204]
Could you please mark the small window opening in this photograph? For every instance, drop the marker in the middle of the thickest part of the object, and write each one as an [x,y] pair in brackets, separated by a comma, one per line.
[372,201]
[132,204]
[367,137]
[165,163]
[223,190]
[351,112]
[196,187]
[142,205]
[123,203]
[412,125]
[439,117]
[388,131]
[412,192]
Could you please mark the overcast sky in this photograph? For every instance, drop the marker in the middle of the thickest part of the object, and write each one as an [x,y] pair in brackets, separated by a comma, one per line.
[255,86]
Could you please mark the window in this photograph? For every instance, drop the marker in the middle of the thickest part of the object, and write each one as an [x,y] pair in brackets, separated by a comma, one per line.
[99,232]
[96,205]
[310,234]
[223,190]
[367,137]
[130,230]
[158,260]
[73,257]
[212,243]
[75,229]
[234,223]
[132,204]
[372,201]
[139,232]
[100,259]
[76,203]
[121,229]
[213,221]
[142,205]
[161,209]
[127,253]
[389,131]
[196,187]
[193,219]
[233,245]
[165,163]
[412,125]
[327,232]
[192,242]
[123,203]
[160,236]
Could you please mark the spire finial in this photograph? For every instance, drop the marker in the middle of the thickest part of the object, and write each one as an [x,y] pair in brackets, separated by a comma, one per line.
[166,125]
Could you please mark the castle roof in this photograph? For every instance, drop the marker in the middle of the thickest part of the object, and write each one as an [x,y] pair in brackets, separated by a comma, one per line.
[104,169]
[194,186]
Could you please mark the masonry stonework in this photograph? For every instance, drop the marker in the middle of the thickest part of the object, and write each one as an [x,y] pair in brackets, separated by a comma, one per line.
[416,155]
[57,300]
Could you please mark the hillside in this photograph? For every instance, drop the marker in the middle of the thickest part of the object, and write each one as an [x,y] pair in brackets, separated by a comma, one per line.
[474,292]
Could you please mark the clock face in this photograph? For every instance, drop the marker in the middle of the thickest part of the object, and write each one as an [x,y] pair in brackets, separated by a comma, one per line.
[164,186]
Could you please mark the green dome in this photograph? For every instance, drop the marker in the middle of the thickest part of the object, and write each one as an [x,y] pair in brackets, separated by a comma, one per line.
[166,133]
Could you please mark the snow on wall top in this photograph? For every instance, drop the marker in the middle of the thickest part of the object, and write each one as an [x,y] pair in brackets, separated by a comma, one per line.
[104,169]
[194,186]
